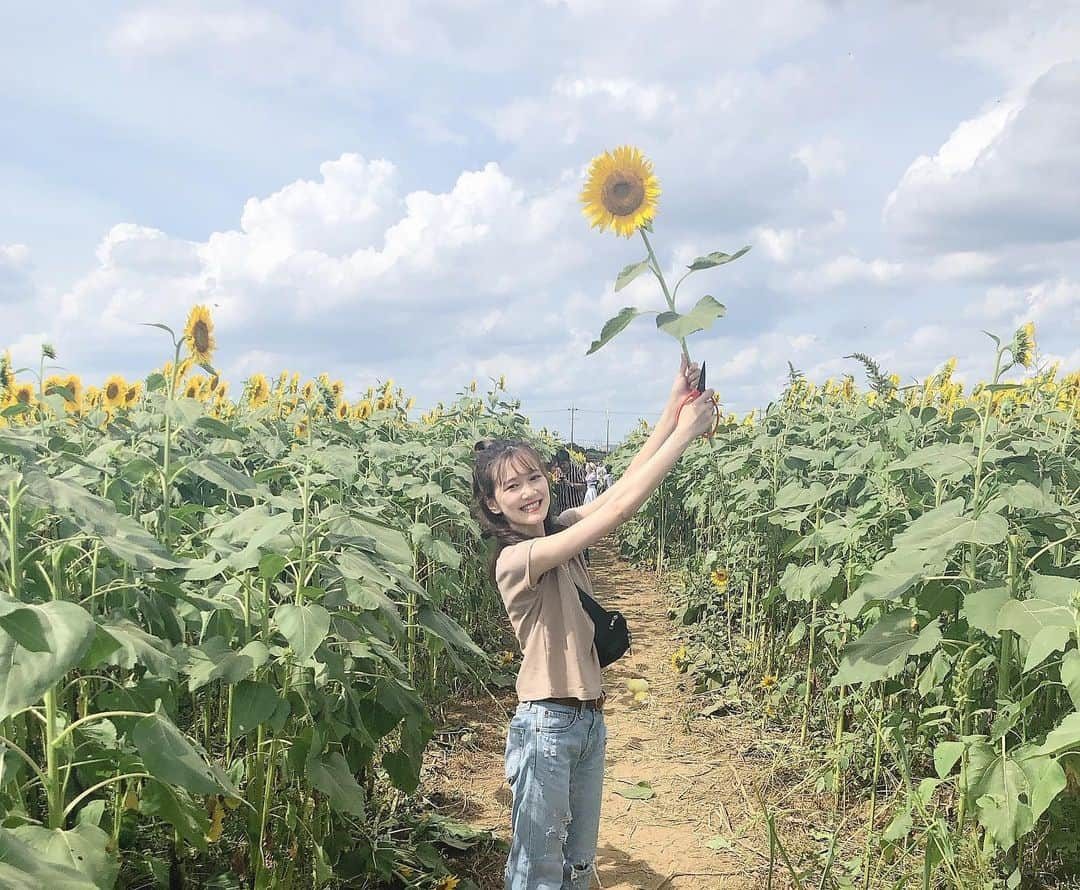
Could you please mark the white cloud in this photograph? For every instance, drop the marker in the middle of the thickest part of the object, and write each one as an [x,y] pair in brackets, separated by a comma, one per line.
[847,270]
[1007,176]
[14,273]
[824,158]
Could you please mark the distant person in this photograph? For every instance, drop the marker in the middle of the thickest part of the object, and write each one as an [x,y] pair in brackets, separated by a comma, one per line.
[591,480]
[602,480]
[571,486]
[557,736]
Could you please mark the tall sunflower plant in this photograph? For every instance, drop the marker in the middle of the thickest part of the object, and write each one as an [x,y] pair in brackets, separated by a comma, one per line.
[621,194]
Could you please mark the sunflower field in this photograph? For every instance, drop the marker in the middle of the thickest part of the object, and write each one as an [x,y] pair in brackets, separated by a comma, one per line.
[895,573]
[225,624]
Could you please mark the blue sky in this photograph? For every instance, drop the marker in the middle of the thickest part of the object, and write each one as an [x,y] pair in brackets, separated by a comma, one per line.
[391,189]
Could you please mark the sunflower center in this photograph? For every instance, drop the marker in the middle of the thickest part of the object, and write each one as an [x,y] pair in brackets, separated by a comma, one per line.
[23,397]
[112,390]
[200,333]
[623,193]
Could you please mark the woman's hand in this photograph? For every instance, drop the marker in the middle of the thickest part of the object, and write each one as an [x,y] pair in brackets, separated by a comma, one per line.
[697,417]
[685,381]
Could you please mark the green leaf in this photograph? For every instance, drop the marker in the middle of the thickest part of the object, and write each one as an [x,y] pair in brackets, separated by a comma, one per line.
[1023,496]
[629,273]
[82,849]
[23,624]
[717,258]
[175,806]
[946,754]
[170,757]
[221,474]
[1000,809]
[253,704]
[882,651]
[404,770]
[214,660]
[447,629]
[1065,735]
[981,608]
[331,775]
[638,791]
[304,626]
[809,582]
[614,326]
[22,867]
[700,318]
[1054,588]
[944,461]
[1070,675]
[1046,780]
[1031,616]
[220,430]
[135,646]
[67,629]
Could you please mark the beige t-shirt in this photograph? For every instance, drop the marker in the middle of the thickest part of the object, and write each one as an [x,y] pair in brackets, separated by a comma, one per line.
[553,629]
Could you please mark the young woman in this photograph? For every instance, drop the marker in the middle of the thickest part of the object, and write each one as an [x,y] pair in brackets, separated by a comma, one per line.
[557,738]
[590,482]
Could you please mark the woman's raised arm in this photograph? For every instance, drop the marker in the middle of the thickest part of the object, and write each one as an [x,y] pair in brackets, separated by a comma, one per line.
[684,383]
[626,498]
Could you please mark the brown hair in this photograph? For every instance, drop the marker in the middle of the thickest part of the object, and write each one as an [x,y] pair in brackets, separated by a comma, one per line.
[492,459]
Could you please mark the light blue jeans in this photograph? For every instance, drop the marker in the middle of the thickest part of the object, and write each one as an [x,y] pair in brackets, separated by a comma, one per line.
[555,767]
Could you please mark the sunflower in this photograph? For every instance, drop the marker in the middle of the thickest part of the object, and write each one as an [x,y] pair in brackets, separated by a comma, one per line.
[621,191]
[132,394]
[301,430]
[338,389]
[363,410]
[342,410]
[23,394]
[309,391]
[113,391]
[7,376]
[719,578]
[258,390]
[768,681]
[1023,345]
[450,882]
[199,334]
[91,397]
[195,388]
[409,405]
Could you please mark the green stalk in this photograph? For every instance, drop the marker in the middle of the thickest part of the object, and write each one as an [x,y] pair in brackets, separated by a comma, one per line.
[13,539]
[170,392]
[663,286]
[1006,644]
[53,790]
[809,674]
[873,801]
[301,574]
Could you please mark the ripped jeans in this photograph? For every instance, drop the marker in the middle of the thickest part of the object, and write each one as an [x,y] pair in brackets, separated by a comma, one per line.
[555,767]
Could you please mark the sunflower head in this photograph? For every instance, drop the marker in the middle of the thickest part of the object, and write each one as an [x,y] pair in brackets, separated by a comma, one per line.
[195,388]
[768,681]
[337,388]
[7,375]
[309,391]
[363,410]
[621,191]
[113,391]
[132,394]
[258,390]
[199,334]
[1023,345]
[342,410]
[719,578]
[23,394]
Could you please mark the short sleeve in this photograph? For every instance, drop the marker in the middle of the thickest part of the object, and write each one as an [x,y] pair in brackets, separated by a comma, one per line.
[513,573]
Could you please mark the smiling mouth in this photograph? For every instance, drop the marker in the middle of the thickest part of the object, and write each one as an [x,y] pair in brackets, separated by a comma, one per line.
[532,508]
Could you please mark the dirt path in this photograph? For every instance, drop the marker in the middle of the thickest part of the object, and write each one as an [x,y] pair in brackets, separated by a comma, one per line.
[703,770]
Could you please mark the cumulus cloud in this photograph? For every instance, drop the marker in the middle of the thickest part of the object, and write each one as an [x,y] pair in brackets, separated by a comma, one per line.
[14,273]
[1007,176]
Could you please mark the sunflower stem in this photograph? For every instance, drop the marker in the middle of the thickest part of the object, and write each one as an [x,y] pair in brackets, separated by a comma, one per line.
[663,286]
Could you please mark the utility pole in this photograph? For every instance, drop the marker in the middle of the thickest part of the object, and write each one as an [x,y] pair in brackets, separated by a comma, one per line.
[607,424]
[573,411]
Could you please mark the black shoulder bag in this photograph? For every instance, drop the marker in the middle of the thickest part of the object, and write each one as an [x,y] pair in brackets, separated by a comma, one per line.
[611,635]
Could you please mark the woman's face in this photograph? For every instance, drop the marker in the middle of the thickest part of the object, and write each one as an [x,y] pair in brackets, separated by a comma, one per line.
[522,495]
